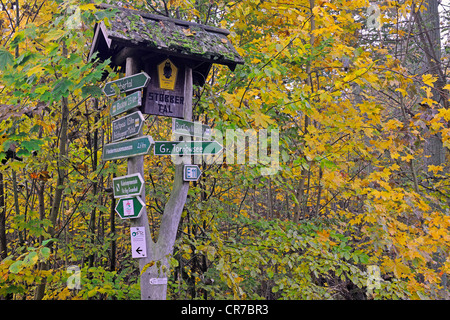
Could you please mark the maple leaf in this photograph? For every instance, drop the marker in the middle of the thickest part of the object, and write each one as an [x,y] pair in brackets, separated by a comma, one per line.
[188,32]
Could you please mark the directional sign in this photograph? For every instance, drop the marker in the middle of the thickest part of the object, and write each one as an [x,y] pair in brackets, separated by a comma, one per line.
[138,242]
[158,281]
[191,172]
[130,207]
[195,129]
[186,147]
[126,84]
[128,186]
[127,126]
[131,101]
[127,148]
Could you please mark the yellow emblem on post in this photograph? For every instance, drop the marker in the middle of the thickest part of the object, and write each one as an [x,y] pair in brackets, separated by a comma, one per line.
[167,74]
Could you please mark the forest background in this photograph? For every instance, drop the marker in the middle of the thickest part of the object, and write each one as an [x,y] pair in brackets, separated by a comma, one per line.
[359,95]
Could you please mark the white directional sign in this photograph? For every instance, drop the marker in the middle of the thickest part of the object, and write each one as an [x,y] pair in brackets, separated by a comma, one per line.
[158,281]
[138,242]
[191,172]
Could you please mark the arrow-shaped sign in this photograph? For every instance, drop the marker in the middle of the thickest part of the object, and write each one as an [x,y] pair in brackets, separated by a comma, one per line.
[130,207]
[127,126]
[186,147]
[128,186]
[127,148]
[139,250]
[189,128]
[131,101]
[126,84]
[191,172]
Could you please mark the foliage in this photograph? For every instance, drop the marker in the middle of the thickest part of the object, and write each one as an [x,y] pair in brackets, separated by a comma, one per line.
[353,190]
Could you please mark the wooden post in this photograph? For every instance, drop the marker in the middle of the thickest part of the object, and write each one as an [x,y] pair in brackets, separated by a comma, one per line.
[156,264]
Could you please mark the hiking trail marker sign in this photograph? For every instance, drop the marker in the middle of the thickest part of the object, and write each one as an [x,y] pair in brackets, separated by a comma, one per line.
[138,242]
[130,83]
[128,186]
[193,129]
[127,126]
[191,172]
[130,207]
[127,148]
[163,148]
[131,101]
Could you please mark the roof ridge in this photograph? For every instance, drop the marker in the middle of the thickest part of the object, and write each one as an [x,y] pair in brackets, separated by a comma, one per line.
[164,18]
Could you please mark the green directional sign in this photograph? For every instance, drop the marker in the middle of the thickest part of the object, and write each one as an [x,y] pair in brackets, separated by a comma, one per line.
[128,186]
[131,101]
[127,126]
[130,207]
[189,128]
[126,84]
[191,172]
[163,148]
[127,148]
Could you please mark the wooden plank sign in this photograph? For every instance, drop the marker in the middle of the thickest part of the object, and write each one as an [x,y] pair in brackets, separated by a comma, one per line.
[160,99]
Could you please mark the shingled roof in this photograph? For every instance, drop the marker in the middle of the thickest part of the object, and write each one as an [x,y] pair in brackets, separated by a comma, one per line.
[131,30]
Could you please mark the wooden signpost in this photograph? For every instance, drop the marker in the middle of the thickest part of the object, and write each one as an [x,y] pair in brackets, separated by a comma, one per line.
[165,74]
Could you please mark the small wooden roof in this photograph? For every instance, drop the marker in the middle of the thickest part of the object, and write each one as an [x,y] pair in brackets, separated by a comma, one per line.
[136,33]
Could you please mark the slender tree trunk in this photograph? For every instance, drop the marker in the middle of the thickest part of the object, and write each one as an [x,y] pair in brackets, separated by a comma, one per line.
[3,241]
[430,41]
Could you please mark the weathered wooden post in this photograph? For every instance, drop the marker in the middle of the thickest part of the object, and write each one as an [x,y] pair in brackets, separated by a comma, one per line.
[175,54]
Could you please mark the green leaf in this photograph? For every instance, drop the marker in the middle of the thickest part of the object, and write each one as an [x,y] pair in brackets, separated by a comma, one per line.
[91,90]
[31,259]
[32,145]
[16,267]
[45,242]
[45,253]
[6,59]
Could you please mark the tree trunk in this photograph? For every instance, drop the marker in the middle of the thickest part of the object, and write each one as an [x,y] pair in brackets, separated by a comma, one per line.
[430,41]
[3,243]
[156,264]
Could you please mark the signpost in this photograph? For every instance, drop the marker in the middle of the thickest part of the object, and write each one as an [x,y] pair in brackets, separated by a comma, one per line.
[128,186]
[131,101]
[163,148]
[130,207]
[165,95]
[191,172]
[134,82]
[127,126]
[138,242]
[189,128]
[127,148]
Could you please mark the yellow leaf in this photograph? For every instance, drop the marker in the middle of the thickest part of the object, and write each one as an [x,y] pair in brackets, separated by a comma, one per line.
[428,79]
[89,6]
[444,113]
[434,168]
[402,91]
[54,35]
[407,158]
[188,32]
